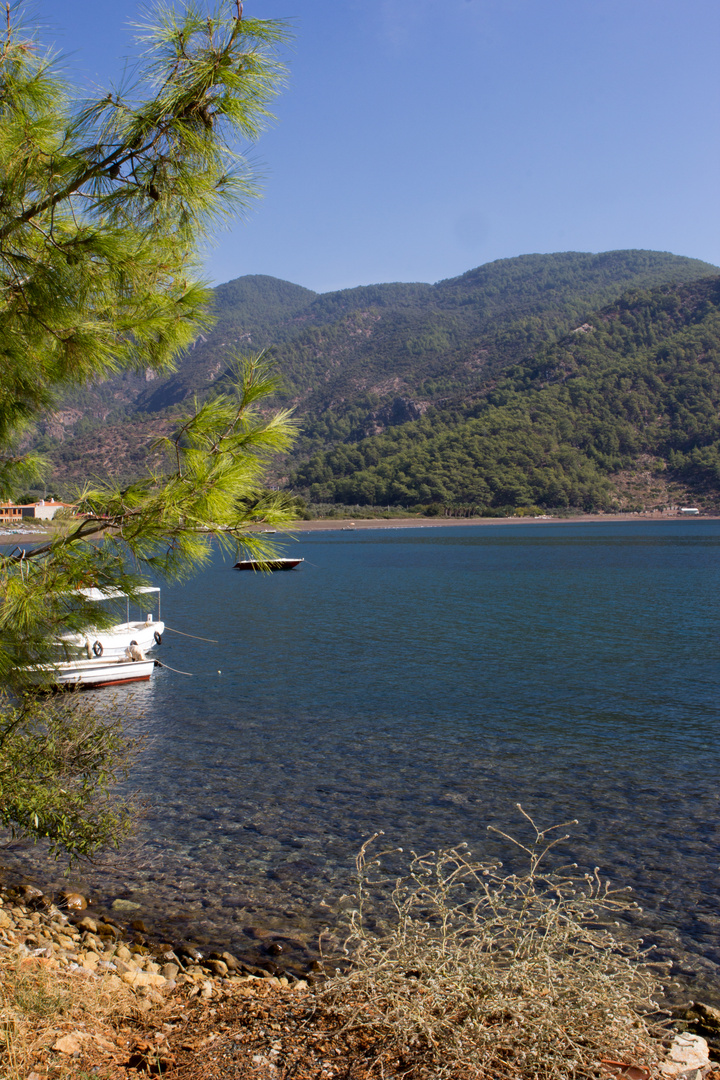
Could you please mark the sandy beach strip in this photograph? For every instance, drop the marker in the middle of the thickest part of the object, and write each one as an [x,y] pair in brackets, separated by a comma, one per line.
[336,524]
[349,524]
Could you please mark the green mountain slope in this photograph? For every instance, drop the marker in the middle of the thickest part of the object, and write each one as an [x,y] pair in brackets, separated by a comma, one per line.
[416,340]
[633,392]
[360,361]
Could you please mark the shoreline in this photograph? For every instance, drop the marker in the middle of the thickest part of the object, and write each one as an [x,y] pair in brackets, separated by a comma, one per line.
[109,999]
[349,525]
[268,953]
[125,923]
[279,955]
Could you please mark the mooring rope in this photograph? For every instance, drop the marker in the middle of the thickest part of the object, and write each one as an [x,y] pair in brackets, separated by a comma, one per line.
[194,636]
[161,663]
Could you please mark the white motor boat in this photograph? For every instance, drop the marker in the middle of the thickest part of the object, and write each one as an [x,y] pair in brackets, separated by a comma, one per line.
[87,674]
[115,641]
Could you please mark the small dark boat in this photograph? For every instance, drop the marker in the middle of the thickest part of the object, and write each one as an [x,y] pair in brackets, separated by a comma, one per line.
[270,564]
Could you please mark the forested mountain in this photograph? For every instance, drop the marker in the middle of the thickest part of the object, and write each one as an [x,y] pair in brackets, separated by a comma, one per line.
[622,412]
[356,362]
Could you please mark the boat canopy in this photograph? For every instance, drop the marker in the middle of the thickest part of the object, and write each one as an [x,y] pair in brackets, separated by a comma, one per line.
[115,594]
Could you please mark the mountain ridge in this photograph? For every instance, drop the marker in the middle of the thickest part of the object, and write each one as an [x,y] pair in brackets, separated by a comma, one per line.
[355,361]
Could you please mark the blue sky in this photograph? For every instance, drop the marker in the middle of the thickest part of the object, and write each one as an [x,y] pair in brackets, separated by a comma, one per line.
[418,139]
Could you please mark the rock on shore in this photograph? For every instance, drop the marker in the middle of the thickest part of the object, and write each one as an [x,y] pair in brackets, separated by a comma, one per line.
[214,1017]
[32,925]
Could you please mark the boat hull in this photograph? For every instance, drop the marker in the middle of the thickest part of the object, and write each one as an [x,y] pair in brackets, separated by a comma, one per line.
[91,674]
[270,564]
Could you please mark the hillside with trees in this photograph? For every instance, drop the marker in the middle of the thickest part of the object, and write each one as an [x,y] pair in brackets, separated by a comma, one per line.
[619,413]
[353,363]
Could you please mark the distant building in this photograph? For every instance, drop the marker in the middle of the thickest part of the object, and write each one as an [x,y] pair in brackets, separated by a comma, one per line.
[12,513]
[45,510]
[689,510]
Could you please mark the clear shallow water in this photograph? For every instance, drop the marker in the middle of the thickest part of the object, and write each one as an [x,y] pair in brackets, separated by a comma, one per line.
[422,682]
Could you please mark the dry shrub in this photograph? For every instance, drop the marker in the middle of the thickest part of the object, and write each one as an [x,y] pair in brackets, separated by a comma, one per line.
[484,974]
[39,1003]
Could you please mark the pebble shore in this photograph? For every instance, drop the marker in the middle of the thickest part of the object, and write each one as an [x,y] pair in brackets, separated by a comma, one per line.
[59,934]
[34,925]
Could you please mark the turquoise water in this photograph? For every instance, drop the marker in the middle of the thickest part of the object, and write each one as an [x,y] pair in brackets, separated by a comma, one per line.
[423,682]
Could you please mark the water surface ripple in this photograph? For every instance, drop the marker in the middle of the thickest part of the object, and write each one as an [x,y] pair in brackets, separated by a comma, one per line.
[423,682]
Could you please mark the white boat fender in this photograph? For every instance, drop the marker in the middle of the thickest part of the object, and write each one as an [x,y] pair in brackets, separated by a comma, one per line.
[98,648]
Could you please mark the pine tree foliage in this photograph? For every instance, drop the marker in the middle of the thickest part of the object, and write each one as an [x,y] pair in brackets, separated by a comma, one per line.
[105,207]
[105,202]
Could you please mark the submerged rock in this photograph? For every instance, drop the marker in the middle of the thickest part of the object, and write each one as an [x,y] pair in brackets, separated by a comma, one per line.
[703,1016]
[125,905]
[74,901]
[32,895]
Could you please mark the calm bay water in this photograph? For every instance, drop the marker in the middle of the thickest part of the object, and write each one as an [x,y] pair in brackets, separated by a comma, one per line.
[423,682]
